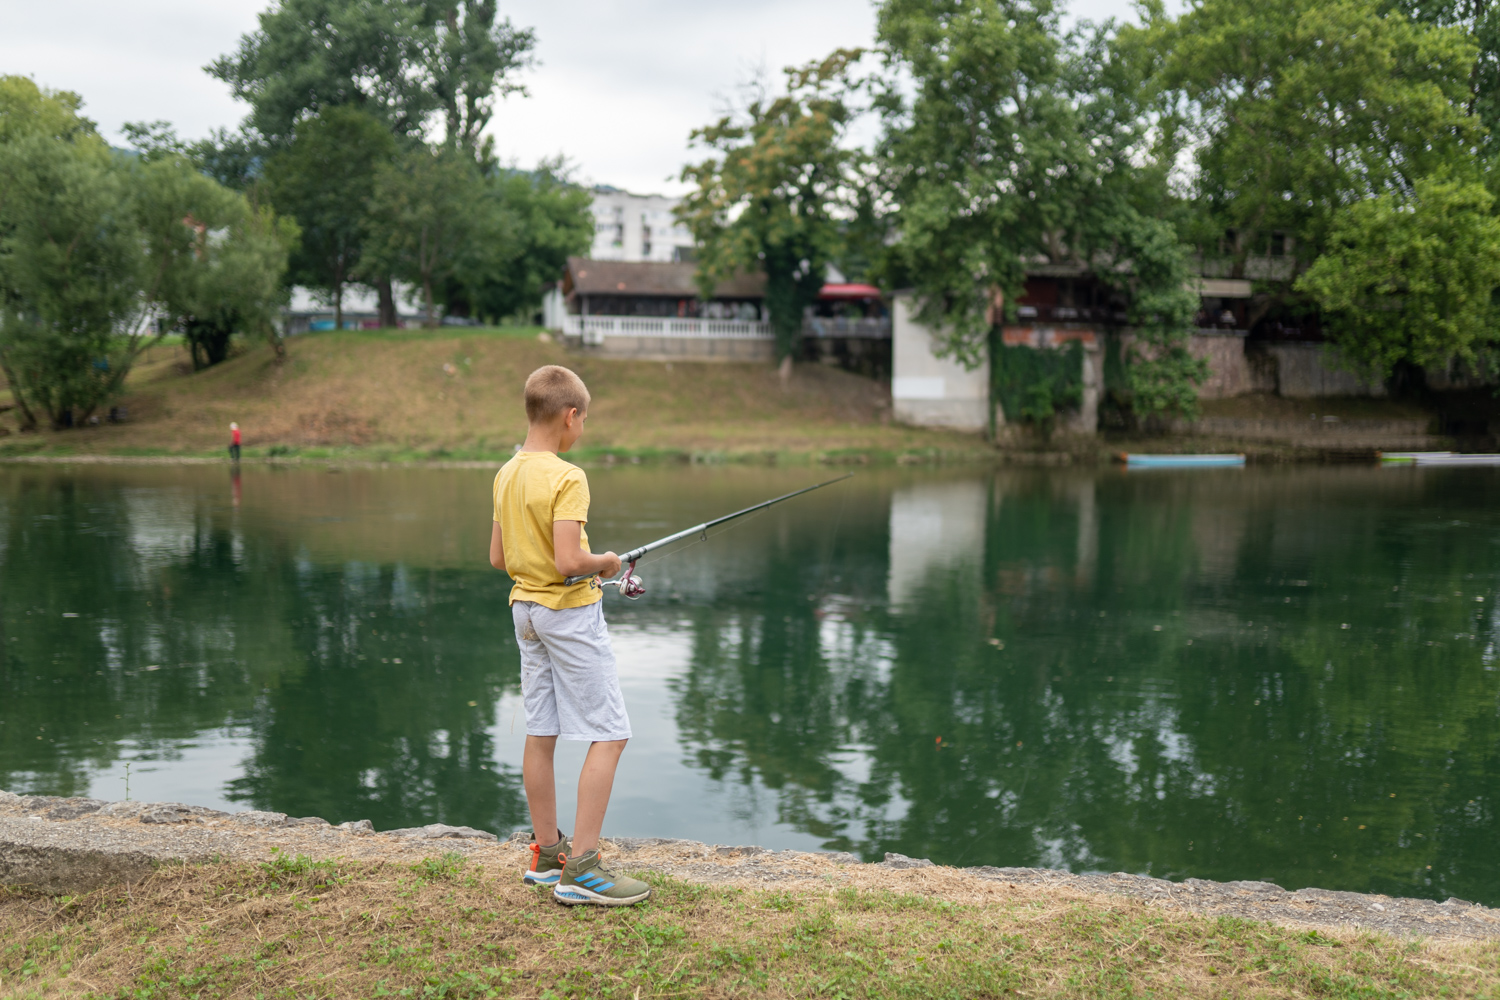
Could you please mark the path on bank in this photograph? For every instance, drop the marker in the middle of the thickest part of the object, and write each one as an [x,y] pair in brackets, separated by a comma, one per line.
[75,845]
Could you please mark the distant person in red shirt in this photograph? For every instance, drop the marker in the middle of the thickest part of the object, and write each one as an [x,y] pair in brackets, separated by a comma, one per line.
[234,442]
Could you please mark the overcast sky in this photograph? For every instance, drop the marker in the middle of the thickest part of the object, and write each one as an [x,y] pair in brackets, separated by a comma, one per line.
[617,90]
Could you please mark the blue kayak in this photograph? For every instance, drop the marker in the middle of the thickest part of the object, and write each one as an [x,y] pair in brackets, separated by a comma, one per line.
[1183,461]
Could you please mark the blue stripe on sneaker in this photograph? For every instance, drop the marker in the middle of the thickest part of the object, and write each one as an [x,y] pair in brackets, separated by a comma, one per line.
[604,887]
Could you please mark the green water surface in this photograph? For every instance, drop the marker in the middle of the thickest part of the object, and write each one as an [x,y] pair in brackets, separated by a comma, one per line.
[1284,674]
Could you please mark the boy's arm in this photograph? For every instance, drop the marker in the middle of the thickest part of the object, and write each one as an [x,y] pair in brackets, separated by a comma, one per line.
[497,548]
[571,560]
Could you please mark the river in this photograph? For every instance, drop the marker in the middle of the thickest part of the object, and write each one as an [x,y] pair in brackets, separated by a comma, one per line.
[1285,674]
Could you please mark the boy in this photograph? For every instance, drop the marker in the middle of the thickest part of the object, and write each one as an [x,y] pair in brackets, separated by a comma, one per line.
[568,679]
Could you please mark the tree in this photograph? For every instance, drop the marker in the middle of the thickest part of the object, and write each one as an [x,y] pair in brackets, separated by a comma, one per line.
[28,110]
[70,262]
[232,159]
[70,270]
[313,54]
[1298,109]
[1163,377]
[325,179]
[99,255]
[969,153]
[1412,279]
[469,60]
[1481,22]
[213,262]
[1008,144]
[542,219]
[398,61]
[773,199]
[427,208]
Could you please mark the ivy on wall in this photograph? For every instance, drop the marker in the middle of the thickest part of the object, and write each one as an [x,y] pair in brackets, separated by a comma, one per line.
[1033,385]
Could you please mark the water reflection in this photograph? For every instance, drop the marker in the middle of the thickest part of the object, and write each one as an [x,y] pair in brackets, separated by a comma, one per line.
[1286,676]
[1229,674]
[139,617]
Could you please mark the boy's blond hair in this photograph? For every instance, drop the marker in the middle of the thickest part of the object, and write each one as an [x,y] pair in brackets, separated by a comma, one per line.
[553,390]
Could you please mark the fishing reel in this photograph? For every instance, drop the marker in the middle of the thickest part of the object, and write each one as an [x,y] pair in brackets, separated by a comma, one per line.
[631,586]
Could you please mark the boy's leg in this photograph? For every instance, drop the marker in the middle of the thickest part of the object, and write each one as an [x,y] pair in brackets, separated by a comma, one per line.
[541,788]
[595,782]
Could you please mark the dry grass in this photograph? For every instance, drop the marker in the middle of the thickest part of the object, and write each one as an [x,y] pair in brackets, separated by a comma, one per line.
[441,928]
[446,394]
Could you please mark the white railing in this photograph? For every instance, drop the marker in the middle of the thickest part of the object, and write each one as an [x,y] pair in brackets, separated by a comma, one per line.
[593,329]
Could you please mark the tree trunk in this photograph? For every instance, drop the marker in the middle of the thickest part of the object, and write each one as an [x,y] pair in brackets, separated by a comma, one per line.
[276,340]
[387,302]
[338,303]
[430,322]
[28,418]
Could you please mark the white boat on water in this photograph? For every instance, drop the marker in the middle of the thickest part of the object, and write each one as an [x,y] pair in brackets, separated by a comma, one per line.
[1455,459]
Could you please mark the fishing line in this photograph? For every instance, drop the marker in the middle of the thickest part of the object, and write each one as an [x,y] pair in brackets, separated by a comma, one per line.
[632,587]
[833,539]
[700,539]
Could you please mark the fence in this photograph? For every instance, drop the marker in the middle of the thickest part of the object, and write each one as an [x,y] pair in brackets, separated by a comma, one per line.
[593,329]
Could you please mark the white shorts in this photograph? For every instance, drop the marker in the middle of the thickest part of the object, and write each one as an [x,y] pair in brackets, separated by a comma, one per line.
[569,682]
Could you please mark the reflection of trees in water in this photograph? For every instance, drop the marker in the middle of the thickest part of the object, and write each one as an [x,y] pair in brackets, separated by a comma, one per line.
[243,635]
[1099,738]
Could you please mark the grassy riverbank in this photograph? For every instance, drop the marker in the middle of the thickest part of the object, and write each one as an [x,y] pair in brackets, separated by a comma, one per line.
[444,928]
[456,394]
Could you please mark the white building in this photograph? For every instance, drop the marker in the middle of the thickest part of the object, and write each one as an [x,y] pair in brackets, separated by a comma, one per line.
[931,390]
[637,227]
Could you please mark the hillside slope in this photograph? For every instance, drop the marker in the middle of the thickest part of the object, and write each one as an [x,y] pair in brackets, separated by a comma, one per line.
[457,394]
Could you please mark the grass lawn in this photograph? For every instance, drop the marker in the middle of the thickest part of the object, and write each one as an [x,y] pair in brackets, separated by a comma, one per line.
[455,393]
[444,929]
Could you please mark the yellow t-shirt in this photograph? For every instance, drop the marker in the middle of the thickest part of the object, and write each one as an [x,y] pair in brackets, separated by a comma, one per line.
[532,490]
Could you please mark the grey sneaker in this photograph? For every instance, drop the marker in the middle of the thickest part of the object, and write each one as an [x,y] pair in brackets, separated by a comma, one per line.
[586,880]
[546,862]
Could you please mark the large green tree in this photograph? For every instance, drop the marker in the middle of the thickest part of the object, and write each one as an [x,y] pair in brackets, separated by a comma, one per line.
[429,209]
[407,63]
[773,197]
[70,274]
[976,129]
[1481,21]
[325,179]
[539,219]
[101,254]
[1299,108]
[1412,279]
[401,62]
[1009,144]
[214,262]
[470,59]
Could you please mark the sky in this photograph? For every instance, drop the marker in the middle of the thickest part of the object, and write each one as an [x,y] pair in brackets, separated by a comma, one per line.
[617,88]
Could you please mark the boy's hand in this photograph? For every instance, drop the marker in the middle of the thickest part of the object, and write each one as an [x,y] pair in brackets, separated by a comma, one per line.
[611,567]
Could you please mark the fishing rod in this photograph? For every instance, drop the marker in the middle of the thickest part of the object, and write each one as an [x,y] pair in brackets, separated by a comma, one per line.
[633,587]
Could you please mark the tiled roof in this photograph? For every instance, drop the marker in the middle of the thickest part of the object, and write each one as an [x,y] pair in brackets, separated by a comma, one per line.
[618,277]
